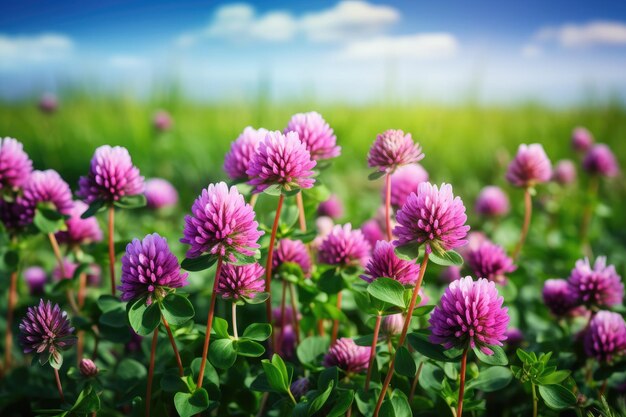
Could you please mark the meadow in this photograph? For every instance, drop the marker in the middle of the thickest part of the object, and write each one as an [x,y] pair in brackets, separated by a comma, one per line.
[467,145]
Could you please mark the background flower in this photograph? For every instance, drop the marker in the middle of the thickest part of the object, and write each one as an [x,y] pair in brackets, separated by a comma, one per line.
[331,208]
[385,263]
[293,251]
[160,193]
[148,266]
[600,160]
[46,330]
[404,181]
[15,165]
[80,231]
[470,315]
[434,217]
[238,281]
[596,287]
[564,172]
[530,166]
[111,176]
[582,139]
[559,297]
[281,160]
[605,337]
[45,187]
[344,247]
[241,151]
[221,223]
[347,356]
[490,261]
[393,148]
[316,134]
[492,202]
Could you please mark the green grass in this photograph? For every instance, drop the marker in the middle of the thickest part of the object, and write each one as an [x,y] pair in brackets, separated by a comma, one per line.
[466,145]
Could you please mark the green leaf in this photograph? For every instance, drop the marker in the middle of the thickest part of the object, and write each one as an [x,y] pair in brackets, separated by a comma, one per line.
[93,208]
[177,309]
[408,252]
[524,356]
[189,405]
[278,362]
[258,332]
[553,378]
[328,376]
[557,397]
[11,260]
[274,190]
[330,282]
[131,201]
[420,342]
[220,327]
[290,193]
[258,298]
[87,402]
[250,348]
[274,375]
[48,221]
[343,403]
[423,310]
[114,318]
[397,406]
[143,318]
[311,348]
[242,259]
[222,353]
[498,358]
[56,359]
[449,258]
[318,402]
[491,379]
[387,290]
[376,175]
[605,371]
[199,263]
[405,364]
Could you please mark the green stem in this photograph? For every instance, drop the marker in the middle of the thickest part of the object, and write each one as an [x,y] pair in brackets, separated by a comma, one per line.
[234,317]
[528,209]
[292,397]
[535,399]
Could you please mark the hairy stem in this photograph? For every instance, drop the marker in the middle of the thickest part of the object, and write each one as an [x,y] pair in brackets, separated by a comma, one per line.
[268,268]
[528,209]
[8,337]
[112,248]
[459,409]
[335,332]
[405,329]
[388,204]
[155,338]
[170,335]
[209,323]
[58,381]
[372,352]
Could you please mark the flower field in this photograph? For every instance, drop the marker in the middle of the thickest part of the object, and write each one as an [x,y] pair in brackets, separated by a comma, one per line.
[166,257]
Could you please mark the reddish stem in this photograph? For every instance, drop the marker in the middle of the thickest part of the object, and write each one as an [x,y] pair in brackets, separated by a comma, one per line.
[57,254]
[82,287]
[459,410]
[8,340]
[301,216]
[372,352]
[283,318]
[294,312]
[58,381]
[320,327]
[209,323]
[388,205]
[155,338]
[528,209]
[112,248]
[170,335]
[333,337]
[268,267]
[80,345]
[405,329]
[415,381]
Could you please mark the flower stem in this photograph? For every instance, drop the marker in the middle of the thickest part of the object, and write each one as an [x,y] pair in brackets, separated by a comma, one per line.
[253,199]
[234,318]
[209,323]
[405,329]
[155,338]
[268,267]
[58,381]
[594,183]
[372,352]
[528,209]
[333,337]
[535,399]
[112,248]
[283,318]
[301,216]
[459,410]
[57,254]
[294,312]
[8,343]
[292,397]
[170,335]
[415,381]
[388,205]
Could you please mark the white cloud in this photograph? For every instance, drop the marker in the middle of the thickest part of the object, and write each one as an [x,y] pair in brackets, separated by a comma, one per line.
[585,35]
[419,46]
[39,48]
[531,51]
[347,20]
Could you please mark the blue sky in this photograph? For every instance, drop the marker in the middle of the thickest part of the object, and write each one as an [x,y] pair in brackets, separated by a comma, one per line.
[555,51]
